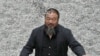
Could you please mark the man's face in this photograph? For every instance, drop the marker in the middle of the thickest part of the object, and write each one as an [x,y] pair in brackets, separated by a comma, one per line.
[51,20]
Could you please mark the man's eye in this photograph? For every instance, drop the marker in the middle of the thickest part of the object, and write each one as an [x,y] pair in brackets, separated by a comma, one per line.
[48,18]
[51,19]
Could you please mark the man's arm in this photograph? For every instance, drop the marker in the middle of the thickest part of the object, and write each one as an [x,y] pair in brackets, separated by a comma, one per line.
[28,48]
[76,47]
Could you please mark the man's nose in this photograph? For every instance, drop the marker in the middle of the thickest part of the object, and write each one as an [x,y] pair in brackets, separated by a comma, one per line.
[50,21]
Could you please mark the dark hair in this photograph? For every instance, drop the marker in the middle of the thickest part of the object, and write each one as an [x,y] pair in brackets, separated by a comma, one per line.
[52,10]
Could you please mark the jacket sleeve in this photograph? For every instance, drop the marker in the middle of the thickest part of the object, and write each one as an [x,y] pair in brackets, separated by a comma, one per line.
[28,48]
[76,47]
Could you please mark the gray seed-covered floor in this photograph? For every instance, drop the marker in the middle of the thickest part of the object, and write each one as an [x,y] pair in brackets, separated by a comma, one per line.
[19,17]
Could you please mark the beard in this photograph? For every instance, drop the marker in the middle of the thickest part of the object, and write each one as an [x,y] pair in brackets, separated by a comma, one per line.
[50,31]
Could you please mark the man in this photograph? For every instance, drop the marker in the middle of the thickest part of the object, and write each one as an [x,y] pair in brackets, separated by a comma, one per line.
[52,39]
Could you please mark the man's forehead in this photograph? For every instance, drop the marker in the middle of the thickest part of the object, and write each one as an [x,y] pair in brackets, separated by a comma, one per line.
[51,13]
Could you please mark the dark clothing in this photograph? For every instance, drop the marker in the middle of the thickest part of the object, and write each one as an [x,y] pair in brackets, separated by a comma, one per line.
[49,45]
[57,46]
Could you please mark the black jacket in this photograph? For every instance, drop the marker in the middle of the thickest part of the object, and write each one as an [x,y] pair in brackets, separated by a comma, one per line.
[64,39]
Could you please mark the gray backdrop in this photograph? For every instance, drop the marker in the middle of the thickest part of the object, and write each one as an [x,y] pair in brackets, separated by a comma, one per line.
[19,17]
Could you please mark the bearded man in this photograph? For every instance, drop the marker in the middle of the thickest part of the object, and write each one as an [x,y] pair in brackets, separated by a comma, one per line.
[52,39]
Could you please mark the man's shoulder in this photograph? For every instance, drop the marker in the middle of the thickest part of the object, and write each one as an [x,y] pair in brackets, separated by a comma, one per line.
[62,28]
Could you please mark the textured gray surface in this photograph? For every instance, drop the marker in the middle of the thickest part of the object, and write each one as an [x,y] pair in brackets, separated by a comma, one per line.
[19,17]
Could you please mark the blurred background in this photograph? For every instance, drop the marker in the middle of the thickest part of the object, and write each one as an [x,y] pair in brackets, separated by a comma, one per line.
[19,17]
